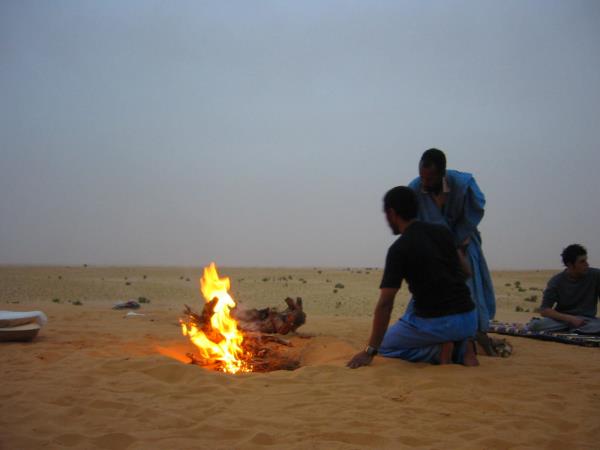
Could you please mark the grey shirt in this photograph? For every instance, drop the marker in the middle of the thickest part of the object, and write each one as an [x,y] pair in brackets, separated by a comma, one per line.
[575,297]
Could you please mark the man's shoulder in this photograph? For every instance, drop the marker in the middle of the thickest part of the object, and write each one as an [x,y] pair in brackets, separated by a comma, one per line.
[459,181]
[556,278]
[457,175]
[415,184]
[595,273]
[399,242]
[398,248]
[433,228]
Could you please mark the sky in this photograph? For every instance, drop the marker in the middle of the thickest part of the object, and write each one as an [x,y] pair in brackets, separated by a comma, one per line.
[265,133]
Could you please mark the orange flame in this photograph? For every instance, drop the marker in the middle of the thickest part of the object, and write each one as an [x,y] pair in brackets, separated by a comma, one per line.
[229,349]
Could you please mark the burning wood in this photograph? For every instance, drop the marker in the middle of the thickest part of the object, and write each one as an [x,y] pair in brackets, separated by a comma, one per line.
[258,326]
[266,320]
[233,340]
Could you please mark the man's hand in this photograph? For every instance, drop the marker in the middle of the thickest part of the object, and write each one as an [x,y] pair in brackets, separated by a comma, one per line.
[359,360]
[573,321]
[576,322]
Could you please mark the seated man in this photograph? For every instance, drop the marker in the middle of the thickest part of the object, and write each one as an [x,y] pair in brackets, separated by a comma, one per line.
[436,326]
[575,292]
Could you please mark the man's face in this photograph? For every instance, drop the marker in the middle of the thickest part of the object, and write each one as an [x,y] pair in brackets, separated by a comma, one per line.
[580,267]
[390,215]
[431,178]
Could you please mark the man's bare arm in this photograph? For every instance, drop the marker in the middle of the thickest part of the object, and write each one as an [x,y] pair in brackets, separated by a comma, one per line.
[553,314]
[381,320]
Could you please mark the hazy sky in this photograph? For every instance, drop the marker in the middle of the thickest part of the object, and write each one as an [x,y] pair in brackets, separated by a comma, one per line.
[263,133]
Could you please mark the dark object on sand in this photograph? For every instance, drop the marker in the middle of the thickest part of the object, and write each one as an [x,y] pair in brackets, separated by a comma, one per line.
[131,304]
[493,346]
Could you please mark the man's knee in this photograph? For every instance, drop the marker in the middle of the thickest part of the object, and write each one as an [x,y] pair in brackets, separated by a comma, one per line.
[547,324]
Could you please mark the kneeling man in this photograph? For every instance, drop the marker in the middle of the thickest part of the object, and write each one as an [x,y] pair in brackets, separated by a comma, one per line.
[570,300]
[437,325]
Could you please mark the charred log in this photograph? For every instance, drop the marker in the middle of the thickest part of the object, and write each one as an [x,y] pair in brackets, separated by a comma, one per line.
[265,320]
[271,320]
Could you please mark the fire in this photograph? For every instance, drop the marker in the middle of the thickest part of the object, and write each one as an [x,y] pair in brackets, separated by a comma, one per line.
[222,343]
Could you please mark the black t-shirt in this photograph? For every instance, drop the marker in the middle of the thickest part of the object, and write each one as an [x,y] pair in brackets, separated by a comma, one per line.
[425,256]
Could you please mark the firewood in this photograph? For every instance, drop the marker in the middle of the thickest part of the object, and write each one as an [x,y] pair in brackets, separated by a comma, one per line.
[270,320]
[260,346]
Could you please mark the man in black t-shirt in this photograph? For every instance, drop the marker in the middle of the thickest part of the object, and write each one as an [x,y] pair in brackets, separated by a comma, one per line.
[437,326]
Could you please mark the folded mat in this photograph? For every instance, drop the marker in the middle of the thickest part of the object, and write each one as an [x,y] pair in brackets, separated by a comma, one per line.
[16,318]
[20,333]
[21,326]
[519,329]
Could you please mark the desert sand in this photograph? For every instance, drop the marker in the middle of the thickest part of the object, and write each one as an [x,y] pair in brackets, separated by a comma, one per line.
[94,379]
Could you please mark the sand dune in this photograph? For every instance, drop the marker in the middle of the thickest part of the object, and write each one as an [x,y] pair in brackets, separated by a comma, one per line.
[94,379]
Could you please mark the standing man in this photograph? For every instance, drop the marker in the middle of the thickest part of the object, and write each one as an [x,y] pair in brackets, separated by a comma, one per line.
[453,199]
[570,300]
[437,325]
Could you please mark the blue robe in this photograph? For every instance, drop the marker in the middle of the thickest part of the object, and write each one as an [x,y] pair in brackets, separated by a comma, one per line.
[462,213]
[419,339]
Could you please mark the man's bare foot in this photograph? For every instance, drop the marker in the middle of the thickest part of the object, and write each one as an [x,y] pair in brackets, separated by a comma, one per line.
[446,353]
[470,358]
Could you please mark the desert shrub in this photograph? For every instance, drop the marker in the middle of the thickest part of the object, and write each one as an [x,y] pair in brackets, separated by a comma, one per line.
[143,300]
[56,300]
[335,291]
[533,298]
[77,303]
[128,283]
[265,279]
[519,308]
[339,286]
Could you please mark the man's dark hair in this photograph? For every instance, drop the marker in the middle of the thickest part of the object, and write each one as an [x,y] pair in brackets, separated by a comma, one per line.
[570,253]
[403,200]
[434,158]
